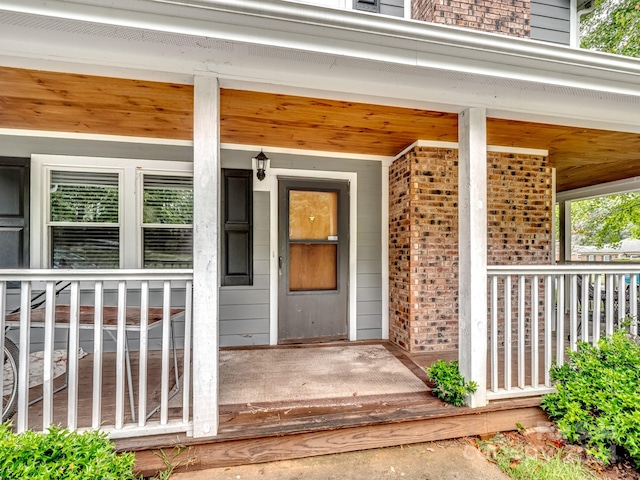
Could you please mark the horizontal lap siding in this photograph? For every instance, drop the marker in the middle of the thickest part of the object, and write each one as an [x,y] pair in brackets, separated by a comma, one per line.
[244,311]
[392,7]
[550,21]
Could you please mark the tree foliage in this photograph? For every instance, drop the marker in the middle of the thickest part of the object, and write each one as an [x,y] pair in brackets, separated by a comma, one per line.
[606,220]
[612,27]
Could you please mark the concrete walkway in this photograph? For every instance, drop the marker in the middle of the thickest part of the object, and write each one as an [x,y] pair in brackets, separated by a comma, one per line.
[447,460]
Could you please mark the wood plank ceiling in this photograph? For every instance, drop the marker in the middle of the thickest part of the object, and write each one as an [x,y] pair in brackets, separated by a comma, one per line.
[36,100]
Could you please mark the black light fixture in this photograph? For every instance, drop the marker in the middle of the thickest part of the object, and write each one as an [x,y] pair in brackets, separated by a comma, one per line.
[261,165]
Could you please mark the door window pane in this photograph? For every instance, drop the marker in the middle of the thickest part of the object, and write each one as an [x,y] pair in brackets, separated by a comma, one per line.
[313,266]
[313,215]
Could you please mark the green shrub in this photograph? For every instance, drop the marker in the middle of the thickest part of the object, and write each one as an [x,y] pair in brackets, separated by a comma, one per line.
[60,454]
[450,385]
[597,399]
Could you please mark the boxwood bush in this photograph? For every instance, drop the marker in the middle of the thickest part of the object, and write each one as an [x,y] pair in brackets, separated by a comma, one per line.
[60,454]
[597,399]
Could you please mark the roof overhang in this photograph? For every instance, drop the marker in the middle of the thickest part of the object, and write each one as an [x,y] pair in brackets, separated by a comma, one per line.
[288,47]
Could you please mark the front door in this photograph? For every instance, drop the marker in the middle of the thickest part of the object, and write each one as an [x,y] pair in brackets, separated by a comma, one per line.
[313,263]
[14,213]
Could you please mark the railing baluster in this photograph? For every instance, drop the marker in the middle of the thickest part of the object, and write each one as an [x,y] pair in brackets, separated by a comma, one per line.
[494,333]
[143,354]
[72,356]
[573,311]
[186,371]
[121,353]
[166,332]
[507,332]
[610,303]
[49,339]
[98,320]
[535,341]
[633,302]
[622,304]
[23,356]
[597,305]
[3,309]
[521,330]
[549,303]
[584,315]
[560,320]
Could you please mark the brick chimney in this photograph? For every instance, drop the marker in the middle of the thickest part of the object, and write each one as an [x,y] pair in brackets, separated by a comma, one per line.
[507,17]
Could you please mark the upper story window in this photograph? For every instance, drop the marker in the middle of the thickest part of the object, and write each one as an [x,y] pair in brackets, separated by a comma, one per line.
[396,8]
[112,213]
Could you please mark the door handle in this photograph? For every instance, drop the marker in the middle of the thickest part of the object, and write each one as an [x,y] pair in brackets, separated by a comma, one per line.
[280,262]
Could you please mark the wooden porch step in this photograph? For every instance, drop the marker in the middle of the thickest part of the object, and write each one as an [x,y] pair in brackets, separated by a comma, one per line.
[267,433]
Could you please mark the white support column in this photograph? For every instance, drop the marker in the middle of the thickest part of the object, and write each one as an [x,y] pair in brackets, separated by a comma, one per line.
[472,239]
[206,168]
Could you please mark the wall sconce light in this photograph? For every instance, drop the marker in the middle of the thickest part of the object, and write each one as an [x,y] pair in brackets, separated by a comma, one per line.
[261,165]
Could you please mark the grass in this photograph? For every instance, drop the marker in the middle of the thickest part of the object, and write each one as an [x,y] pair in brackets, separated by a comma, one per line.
[519,462]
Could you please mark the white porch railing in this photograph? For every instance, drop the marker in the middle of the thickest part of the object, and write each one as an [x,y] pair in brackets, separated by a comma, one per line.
[536,312]
[141,365]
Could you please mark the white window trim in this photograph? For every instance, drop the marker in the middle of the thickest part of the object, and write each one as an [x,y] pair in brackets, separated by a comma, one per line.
[130,171]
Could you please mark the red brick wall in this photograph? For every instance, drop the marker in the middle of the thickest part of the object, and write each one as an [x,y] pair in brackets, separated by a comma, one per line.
[508,17]
[423,228]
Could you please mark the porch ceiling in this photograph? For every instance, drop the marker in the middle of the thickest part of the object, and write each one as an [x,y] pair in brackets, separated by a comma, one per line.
[37,100]
[582,157]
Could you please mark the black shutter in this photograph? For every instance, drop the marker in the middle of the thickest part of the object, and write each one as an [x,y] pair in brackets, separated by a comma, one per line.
[14,212]
[237,223]
[367,5]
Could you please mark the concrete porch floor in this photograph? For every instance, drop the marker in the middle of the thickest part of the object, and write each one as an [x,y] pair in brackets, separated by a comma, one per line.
[278,430]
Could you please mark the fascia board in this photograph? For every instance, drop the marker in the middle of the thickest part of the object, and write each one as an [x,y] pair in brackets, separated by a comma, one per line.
[360,35]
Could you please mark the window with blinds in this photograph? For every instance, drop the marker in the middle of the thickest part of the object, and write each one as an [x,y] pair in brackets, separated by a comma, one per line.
[167,216]
[84,219]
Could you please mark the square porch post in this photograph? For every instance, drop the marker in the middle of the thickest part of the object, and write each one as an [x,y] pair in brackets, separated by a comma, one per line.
[472,218]
[206,168]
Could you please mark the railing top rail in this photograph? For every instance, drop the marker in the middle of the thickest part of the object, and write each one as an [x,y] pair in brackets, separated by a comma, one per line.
[493,270]
[95,274]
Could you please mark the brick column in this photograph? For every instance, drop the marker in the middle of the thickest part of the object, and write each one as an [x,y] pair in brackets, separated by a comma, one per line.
[423,236]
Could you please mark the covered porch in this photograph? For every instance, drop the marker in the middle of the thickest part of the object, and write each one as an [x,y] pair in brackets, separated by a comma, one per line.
[446,164]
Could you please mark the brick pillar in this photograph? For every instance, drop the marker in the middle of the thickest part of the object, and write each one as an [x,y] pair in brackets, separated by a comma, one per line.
[508,17]
[423,236]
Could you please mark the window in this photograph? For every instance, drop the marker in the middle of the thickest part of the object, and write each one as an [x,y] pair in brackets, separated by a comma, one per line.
[112,213]
[84,228]
[167,212]
[367,5]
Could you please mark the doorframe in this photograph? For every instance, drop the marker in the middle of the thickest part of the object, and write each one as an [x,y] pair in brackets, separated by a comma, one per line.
[352,178]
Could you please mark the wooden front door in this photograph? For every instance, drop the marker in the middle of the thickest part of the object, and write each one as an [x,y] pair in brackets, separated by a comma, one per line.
[313,263]
[14,213]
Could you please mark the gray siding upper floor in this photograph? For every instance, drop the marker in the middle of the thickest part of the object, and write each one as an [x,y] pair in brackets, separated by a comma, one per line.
[392,7]
[244,311]
[551,21]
